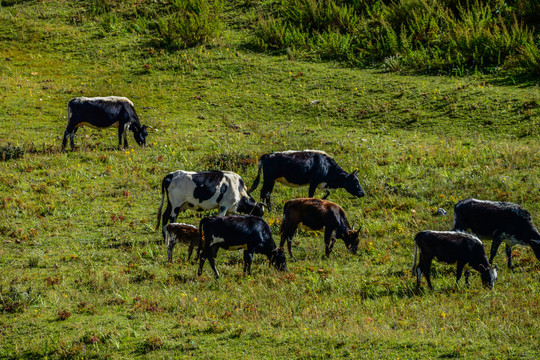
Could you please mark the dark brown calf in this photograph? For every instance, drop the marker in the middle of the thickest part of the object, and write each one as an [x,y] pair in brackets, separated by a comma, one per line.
[452,247]
[318,215]
[183,233]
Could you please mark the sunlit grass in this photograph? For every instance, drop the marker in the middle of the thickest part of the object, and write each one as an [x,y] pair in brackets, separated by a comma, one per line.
[77,232]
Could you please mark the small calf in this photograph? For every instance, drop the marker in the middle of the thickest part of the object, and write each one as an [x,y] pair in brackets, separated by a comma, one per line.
[502,221]
[183,233]
[452,247]
[318,215]
[249,233]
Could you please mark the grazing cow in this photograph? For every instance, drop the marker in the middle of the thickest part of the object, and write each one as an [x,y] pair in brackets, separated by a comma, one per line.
[101,113]
[205,190]
[452,247]
[234,232]
[501,221]
[184,233]
[300,168]
[317,214]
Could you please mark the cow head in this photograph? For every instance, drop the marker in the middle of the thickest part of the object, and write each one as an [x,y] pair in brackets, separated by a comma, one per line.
[139,133]
[247,205]
[352,240]
[277,258]
[488,275]
[352,185]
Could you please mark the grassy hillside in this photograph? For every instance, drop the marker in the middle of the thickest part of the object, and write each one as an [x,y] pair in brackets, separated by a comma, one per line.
[84,274]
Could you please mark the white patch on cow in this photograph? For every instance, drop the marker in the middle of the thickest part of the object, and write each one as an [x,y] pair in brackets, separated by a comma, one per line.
[183,224]
[284,181]
[112,99]
[216,240]
[306,150]
[237,247]
[461,233]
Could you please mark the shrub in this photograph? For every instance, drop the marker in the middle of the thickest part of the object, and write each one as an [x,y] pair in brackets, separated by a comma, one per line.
[191,23]
[434,35]
[10,152]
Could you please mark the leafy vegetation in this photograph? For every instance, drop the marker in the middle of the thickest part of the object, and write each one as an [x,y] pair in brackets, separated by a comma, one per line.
[84,274]
[427,35]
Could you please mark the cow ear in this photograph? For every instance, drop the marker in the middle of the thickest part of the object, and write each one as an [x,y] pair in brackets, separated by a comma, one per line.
[354,172]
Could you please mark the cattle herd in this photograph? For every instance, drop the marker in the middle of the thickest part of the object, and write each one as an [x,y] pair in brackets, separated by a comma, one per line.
[227,192]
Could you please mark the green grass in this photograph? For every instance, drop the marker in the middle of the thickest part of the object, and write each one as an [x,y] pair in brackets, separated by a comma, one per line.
[84,274]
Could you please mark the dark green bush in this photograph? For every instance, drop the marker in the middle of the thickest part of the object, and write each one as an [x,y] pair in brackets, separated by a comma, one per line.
[451,36]
[191,23]
[10,152]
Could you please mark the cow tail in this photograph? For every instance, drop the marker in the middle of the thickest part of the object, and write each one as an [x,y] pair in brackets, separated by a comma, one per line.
[69,112]
[160,207]
[414,260]
[257,179]
[200,244]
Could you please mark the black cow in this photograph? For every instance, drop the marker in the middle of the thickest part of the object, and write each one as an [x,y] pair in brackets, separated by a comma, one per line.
[234,232]
[101,113]
[501,221]
[317,214]
[299,168]
[452,247]
[205,190]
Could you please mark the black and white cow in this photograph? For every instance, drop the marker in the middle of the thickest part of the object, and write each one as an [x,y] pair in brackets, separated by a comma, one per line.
[238,232]
[317,215]
[501,221]
[300,168]
[101,113]
[205,190]
[452,247]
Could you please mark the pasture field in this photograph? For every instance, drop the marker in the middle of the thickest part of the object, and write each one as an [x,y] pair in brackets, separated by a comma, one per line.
[84,274]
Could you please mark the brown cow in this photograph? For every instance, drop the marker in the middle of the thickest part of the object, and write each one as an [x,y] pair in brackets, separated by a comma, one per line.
[318,215]
[183,233]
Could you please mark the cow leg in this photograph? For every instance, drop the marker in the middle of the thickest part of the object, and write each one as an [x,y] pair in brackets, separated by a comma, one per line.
[222,211]
[212,259]
[69,134]
[126,128]
[170,251]
[467,273]
[497,240]
[190,250]
[508,250]
[459,271]
[64,140]
[169,215]
[329,241]
[287,234]
[418,275]
[248,258]
[202,259]
[266,190]
[326,193]
[425,266]
[71,139]
[312,188]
